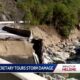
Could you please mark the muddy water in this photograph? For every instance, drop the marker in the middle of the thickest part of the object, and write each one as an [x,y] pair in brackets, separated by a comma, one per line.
[8,76]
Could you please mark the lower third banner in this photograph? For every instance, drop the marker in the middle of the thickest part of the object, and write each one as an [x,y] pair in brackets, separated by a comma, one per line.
[27,67]
[54,68]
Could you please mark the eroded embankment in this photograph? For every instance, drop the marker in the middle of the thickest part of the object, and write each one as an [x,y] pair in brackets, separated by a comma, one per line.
[56,49]
[49,46]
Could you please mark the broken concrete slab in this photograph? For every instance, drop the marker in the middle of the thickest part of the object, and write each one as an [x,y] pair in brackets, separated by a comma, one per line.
[16,51]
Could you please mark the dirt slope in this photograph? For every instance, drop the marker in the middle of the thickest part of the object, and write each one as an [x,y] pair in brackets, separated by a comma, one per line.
[49,36]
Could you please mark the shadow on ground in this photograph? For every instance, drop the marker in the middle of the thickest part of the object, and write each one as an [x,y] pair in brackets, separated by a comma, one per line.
[8,76]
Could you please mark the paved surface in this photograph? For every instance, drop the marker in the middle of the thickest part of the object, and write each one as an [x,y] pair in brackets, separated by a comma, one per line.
[13,48]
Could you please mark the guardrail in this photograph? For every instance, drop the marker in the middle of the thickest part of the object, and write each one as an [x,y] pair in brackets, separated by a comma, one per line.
[10,22]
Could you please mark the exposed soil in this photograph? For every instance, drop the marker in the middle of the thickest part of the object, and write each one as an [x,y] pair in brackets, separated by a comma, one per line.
[51,37]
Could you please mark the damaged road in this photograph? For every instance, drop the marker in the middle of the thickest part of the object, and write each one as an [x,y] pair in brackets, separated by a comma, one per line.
[37,43]
[14,49]
[41,53]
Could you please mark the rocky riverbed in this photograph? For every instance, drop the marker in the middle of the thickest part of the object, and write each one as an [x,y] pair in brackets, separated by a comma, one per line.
[65,52]
[56,50]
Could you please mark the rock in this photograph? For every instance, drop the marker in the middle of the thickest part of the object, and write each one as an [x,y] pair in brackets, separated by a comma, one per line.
[62,55]
[76,43]
[52,56]
[58,60]
[46,58]
[72,52]
[58,77]
[60,46]
[70,49]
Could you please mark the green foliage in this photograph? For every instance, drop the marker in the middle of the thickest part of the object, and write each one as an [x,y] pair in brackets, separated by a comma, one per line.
[1,8]
[65,31]
[63,19]
[27,17]
[63,14]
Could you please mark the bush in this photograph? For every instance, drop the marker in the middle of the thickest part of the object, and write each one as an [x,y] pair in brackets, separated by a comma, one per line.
[27,17]
[63,19]
[65,31]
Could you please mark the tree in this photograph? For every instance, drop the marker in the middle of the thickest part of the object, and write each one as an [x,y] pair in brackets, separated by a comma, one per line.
[63,19]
